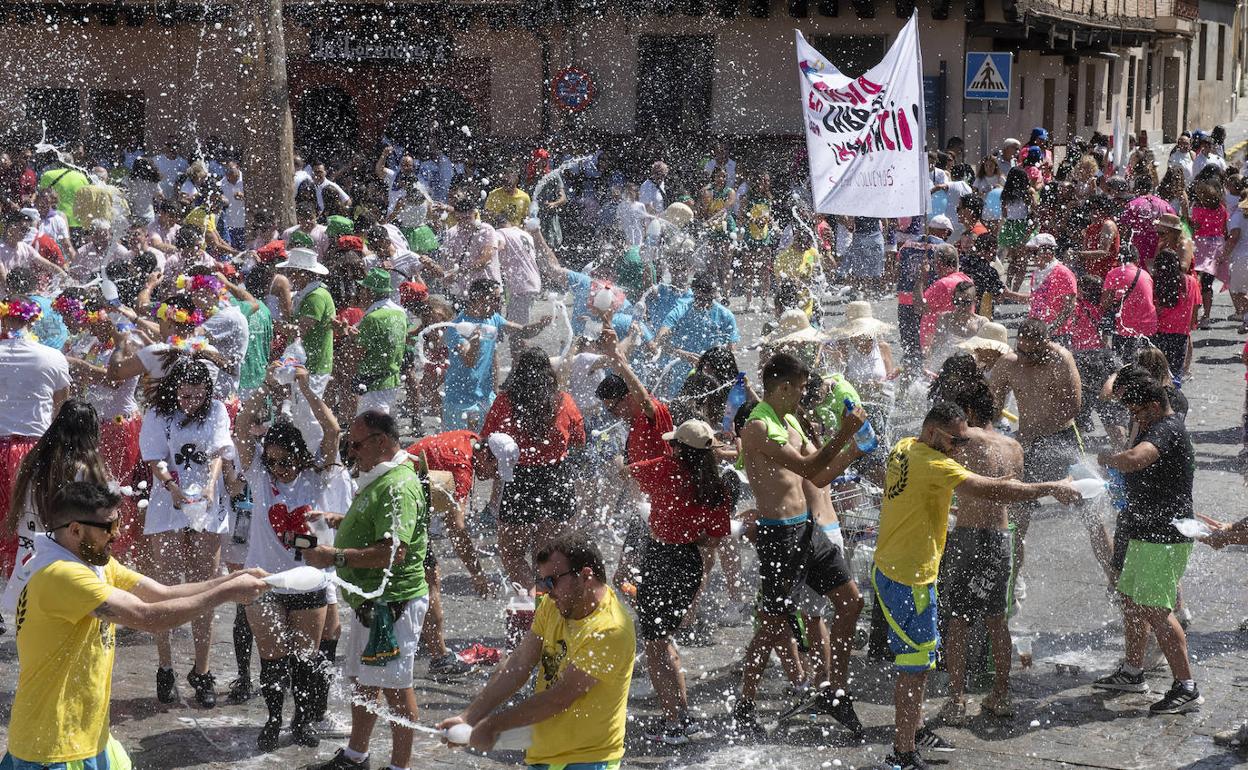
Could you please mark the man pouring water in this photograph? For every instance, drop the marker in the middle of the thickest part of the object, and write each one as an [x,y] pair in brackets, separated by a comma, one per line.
[72,594]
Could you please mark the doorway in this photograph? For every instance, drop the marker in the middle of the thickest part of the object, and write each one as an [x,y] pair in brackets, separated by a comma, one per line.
[1049,110]
[119,119]
[674,84]
[1170,79]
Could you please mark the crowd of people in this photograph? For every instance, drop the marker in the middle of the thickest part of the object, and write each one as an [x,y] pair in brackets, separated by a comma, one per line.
[198,402]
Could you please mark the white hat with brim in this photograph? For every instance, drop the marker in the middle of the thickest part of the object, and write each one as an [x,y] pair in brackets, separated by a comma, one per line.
[506,453]
[860,321]
[694,433]
[794,327]
[992,336]
[303,259]
[678,214]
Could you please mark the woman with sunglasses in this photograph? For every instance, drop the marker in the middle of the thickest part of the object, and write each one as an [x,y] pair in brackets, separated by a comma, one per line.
[69,450]
[958,325]
[540,499]
[286,481]
[185,436]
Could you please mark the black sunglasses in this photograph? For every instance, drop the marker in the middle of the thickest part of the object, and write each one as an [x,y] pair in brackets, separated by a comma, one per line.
[547,584]
[112,527]
[355,445]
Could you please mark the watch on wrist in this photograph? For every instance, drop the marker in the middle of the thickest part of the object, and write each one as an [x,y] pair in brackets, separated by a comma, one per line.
[340,558]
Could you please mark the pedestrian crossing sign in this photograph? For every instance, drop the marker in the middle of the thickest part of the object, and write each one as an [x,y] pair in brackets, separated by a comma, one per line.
[988,75]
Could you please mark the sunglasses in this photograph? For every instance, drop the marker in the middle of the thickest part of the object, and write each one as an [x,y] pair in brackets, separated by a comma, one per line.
[355,445]
[547,584]
[112,527]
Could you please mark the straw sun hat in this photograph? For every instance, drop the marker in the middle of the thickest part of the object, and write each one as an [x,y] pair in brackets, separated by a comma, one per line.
[992,336]
[794,326]
[860,321]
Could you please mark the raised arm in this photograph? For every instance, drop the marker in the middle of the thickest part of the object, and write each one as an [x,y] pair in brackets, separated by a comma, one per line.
[754,439]
[619,363]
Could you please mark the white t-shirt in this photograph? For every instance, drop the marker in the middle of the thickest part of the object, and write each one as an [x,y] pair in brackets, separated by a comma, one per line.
[227,330]
[91,260]
[1239,255]
[235,215]
[187,450]
[170,169]
[518,261]
[632,222]
[277,508]
[319,239]
[393,194]
[955,193]
[583,381]
[651,196]
[16,256]
[31,373]
[109,401]
[331,187]
[56,227]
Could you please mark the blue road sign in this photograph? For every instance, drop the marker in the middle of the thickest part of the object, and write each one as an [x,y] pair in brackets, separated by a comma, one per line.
[988,75]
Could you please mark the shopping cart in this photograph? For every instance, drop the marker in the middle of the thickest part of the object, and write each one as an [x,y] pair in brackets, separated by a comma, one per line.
[857,504]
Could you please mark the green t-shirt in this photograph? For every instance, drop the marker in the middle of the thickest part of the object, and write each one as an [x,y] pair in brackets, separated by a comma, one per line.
[319,341]
[66,182]
[392,505]
[259,342]
[832,408]
[383,338]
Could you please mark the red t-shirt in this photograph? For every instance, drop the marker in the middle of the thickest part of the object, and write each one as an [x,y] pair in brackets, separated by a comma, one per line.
[645,436]
[938,299]
[1048,299]
[567,430]
[352,315]
[674,516]
[1085,325]
[450,452]
[1178,319]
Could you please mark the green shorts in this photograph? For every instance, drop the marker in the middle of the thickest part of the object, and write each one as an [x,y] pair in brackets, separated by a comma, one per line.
[1151,572]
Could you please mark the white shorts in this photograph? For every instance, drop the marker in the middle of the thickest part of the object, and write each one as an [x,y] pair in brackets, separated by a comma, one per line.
[1238,282]
[380,401]
[398,673]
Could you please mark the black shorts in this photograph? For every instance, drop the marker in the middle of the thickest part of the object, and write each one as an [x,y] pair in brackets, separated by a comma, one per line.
[308,600]
[670,576]
[1049,458]
[975,573]
[792,553]
[537,494]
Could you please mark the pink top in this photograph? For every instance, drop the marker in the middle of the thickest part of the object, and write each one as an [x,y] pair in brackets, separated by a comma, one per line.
[1209,223]
[1178,319]
[1138,316]
[939,299]
[1048,298]
[1085,324]
[1140,219]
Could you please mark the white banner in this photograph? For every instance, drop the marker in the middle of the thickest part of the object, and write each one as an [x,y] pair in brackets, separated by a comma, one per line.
[865,136]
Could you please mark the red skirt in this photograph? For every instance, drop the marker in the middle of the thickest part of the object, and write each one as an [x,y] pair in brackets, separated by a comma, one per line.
[12,450]
[119,446]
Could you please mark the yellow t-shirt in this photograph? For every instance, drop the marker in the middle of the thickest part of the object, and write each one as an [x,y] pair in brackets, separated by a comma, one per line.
[914,517]
[514,206]
[201,218]
[602,645]
[65,654]
[796,264]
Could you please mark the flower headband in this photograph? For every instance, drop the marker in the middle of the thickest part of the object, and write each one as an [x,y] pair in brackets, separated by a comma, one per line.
[192,344]
[73,308]
[167,312]
[200,283]
[22,309]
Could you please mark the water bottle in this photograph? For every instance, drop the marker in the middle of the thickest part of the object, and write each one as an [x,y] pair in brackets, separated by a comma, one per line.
[242,506]
[865,437]
[109,290]
[1117,489]
[294,356]
[737,397]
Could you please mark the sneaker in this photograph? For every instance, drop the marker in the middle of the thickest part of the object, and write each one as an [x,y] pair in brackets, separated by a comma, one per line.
[953,713]
[241,691]
[341,762]
[1178,700]
[905,760]
[839,705]
[204,684]
[1121,681]
[745,724]
[670,733]
[267,740]
[166,685]
[926,739]
[332,726]
[1236,738]
[447,666]
[998,706]
[695,729]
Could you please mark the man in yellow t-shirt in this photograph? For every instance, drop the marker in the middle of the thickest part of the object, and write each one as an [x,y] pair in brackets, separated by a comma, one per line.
[583,639]
[509,200]
[914,519]
[71,594]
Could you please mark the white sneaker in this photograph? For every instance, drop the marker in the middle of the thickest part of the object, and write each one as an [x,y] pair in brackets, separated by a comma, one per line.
[332,726]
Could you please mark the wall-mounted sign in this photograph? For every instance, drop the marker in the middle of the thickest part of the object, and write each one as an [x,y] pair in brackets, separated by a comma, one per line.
[573,89]
[351,46]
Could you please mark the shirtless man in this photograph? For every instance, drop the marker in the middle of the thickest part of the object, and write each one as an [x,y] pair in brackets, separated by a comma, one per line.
[1046,384]
[975,571]
[791,548]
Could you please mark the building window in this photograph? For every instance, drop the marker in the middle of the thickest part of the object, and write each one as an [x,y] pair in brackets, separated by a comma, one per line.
[1221,51]
[1200,51]
[57,111]
[1130,88]
[851,54]
[1089,95]
[1148,82]
[119,121]
[1022,92]
[1110,87]
[674,83]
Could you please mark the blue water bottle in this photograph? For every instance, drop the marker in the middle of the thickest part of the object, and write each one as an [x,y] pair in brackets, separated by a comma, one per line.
[736,399]
[865,437]
[1117,489]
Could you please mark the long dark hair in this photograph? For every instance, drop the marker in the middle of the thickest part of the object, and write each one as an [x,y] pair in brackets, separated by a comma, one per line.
[719,362]
[1168,278]
[533,391]
[185,371]
[957,370]
[1016,186]
[284,434]
[68,450]
[709,489]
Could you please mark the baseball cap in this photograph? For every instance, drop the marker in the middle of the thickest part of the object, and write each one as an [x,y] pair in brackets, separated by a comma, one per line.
[1041,241]
[939,222]
[693,433]
[506,453]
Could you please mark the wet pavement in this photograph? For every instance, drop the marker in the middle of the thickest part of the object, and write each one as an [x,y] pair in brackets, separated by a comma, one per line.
[1060,721]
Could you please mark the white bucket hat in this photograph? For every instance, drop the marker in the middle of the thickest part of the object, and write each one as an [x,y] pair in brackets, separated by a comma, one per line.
[794,326]
[303,259]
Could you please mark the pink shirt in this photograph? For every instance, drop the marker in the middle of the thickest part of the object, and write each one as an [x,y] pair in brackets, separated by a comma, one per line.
[1209,223]
[1048,299]
[939,300]
[1084,327]
[1178,319]
[1138,316]
[1140,219]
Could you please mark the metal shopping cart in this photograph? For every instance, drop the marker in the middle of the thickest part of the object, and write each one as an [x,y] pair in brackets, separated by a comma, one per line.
[857,503]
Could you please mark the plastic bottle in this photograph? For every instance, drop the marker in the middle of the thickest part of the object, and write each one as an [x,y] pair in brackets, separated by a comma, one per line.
[242,516]
[865,437]
[109,290]
[293,356]
[516,739]
[737,397]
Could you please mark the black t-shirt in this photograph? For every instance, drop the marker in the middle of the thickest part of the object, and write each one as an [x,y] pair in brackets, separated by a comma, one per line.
[1163,490]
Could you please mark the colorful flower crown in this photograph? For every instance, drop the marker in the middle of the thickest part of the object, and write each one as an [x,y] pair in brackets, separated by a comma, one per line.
[200,283]
[189,344]
[22,309]
[167,312]
[73,308]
